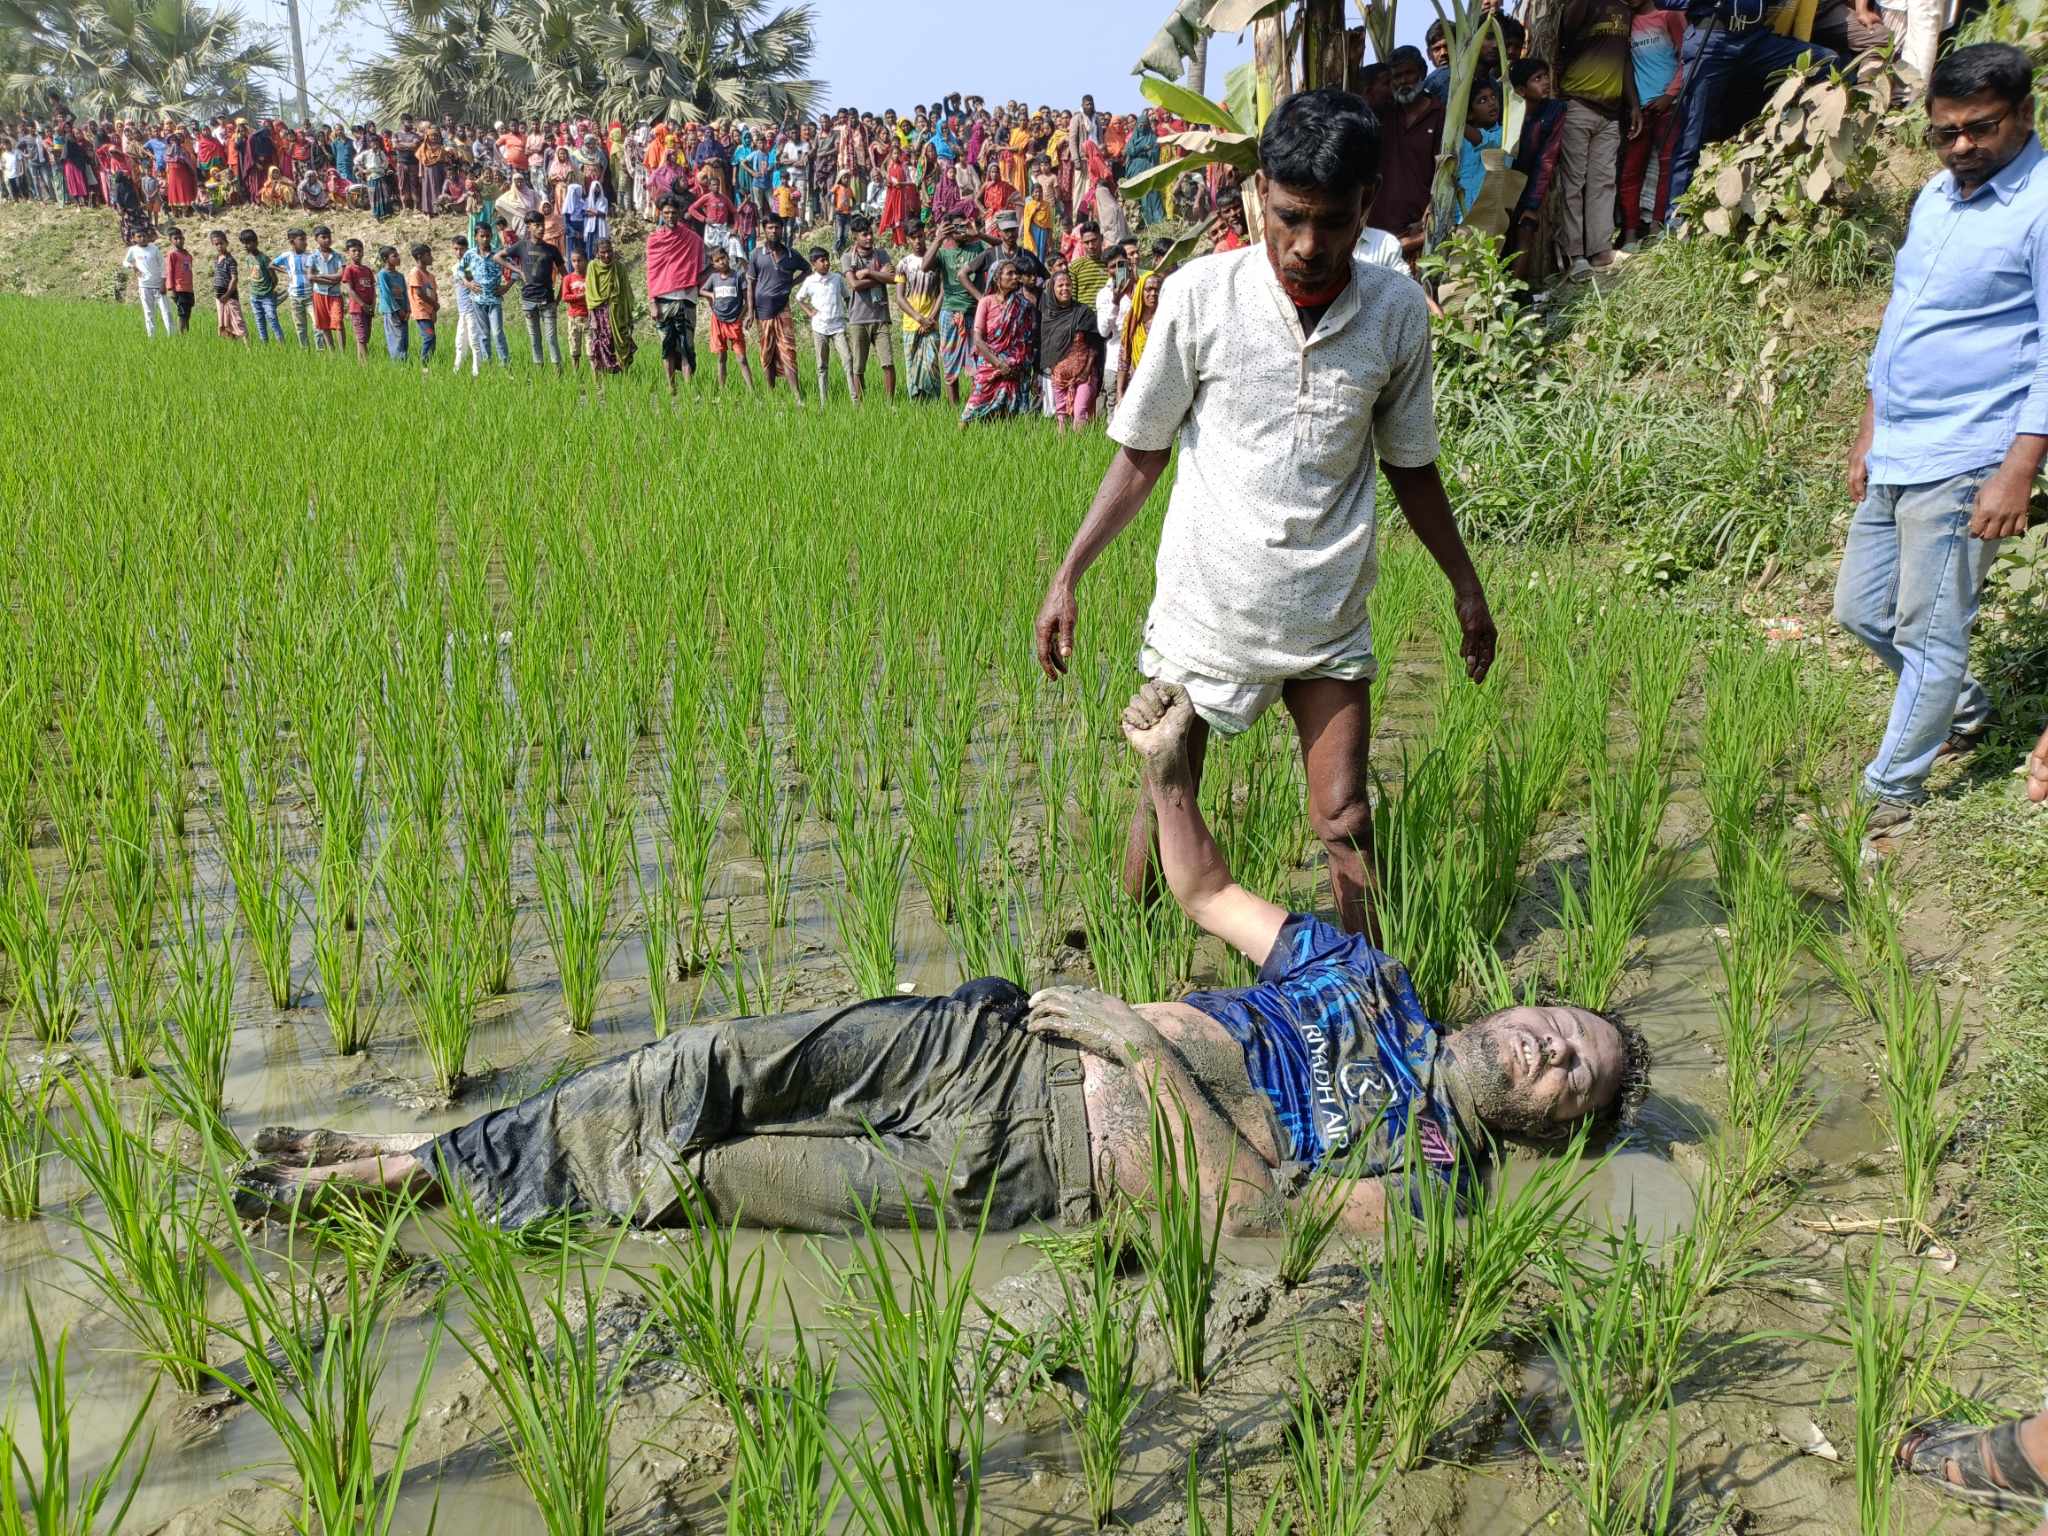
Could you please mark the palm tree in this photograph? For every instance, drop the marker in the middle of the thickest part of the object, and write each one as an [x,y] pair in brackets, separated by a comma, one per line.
[707,59]
[106,56]
[442,59]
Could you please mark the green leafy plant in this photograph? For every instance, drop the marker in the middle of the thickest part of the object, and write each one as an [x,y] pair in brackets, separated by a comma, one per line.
[48,1501]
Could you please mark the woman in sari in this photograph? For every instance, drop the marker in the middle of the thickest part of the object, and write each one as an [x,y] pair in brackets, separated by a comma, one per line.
[181,174]
[1144,304]
[1071,350]
[1141,153]
[1037,228]
[608,297]
[901,204]
[922,290]
[1005,340]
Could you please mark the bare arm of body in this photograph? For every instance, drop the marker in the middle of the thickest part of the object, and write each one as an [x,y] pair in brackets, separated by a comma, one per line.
[1156,724]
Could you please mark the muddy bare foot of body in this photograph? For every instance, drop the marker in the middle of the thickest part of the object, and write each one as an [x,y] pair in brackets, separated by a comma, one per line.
[1156,723]
[318,1148]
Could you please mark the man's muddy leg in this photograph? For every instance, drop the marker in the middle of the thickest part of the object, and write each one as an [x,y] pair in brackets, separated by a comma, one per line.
[1333,719]
[1141,846]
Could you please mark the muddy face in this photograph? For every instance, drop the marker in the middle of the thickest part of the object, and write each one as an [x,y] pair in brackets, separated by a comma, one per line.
[1532,1072]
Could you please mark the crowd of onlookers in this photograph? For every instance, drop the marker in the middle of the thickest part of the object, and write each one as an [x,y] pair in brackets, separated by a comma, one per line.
[996,240]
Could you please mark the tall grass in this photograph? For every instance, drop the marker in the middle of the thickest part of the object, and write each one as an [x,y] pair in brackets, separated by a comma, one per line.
[149,1255]
[914,1466]
[310,1357]
[24,1139]
[544,1362]
[1337,1460]
[1181,1245]
[48,1500]
[1444,1285]
[41,940]
[1099,1340]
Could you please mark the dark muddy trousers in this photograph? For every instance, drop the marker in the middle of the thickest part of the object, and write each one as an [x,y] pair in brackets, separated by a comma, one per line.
[800,1120]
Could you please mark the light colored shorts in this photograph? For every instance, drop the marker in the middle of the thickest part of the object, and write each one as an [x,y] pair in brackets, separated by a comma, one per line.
[1233,707]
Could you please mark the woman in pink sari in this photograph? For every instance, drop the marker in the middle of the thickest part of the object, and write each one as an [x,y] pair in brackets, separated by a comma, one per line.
[1005,342]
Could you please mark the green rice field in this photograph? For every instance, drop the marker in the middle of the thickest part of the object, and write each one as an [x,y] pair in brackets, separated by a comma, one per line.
[376,748]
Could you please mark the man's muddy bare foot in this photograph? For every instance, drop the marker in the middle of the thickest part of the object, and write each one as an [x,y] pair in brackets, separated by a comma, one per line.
[1156,723]
[319,1148]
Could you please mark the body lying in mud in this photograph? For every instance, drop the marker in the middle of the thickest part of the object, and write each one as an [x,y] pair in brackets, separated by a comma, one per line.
[1042,1107]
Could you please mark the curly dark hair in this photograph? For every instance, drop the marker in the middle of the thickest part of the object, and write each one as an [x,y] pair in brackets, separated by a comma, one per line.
[1622,1111]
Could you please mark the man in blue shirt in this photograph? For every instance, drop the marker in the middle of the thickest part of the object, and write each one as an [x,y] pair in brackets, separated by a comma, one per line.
[1042,1106]
[1957,420]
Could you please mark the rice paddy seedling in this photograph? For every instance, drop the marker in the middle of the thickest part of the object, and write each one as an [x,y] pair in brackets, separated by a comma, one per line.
[935,803]
[1274,1519]
[1626,874]
[1180,1249]
[1766,932]
[873,855]
[692,823]
[445,992]
[1921,1040]
[914,1467]
[660,919]
[545,1363]
[129,1006]
[1624,1479]
[351,978]
[42,942]
[1311,1217]
[148,1257]
[1100,1341]
[1444,1285]
[1896,1341]
[310,1356]
[202,1008]
[711,1304]
[1335,1460]
[1753,718]
[24,1139]
[576,892]
[47,1501]
[1427,894]
[252,843]
[17,754]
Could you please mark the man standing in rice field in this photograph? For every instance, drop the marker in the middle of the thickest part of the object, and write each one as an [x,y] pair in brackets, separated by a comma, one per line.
[1956,425]
[1290,372]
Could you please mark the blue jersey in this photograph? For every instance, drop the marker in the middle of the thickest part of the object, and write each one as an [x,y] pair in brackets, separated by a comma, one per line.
[1335,1038]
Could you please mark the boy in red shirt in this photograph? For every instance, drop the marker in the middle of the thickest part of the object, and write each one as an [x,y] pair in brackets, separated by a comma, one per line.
[178,277]
[575,287]
[360,284]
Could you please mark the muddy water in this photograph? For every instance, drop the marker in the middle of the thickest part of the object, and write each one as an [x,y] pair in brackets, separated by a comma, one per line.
[283,1069]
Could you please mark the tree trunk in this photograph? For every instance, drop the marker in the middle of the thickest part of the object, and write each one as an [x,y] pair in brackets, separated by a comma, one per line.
[1197,77]
[1269,58]
[1323,47]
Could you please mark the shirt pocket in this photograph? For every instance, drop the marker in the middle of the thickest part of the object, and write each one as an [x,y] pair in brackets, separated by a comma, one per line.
[1336,428]
[1975,281]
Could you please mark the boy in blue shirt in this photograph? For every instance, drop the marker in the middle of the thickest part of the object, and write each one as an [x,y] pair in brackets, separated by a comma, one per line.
[393,304]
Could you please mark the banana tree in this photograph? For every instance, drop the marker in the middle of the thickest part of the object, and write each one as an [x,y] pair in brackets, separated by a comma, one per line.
[1467,24]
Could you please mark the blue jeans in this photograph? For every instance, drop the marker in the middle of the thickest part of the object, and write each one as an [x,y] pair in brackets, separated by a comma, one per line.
[267,326]
[1911,576]
[490,331]
[395,337]
[1714,57]
[426,328]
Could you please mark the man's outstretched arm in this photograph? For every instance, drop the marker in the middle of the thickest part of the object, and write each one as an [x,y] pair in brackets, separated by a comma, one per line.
[1125,485]
[1156,724]
[1420,491]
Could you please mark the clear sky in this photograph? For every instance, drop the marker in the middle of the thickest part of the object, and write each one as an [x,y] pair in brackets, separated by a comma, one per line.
[883,53]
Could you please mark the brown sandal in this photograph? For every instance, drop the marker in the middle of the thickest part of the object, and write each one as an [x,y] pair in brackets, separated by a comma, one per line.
[1990,1469]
